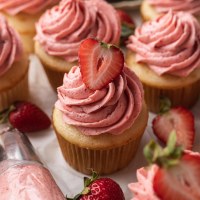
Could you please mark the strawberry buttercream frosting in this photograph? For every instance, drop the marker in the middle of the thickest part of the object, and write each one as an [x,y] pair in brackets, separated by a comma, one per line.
[168,45]
[143,189]
[28,182]
[14,7]
[112,109]
[10,46]
[61,29]
[163,6]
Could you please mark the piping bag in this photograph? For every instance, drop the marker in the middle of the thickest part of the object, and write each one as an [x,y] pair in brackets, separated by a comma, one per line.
[22,175]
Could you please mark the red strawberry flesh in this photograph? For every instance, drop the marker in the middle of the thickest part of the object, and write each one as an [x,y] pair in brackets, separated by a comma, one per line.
[100,63]
[180,182]
[27,117]
[179,119]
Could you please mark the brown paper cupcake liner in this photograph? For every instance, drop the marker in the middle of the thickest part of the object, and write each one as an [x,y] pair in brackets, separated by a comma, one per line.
[18,92]
[55,78]
[102,161]
[185,96]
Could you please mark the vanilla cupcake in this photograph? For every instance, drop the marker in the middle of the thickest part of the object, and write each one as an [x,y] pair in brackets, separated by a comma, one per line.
[22,15]
[13,67]
[100,129]
[61,30]
[151,9]
[165,54]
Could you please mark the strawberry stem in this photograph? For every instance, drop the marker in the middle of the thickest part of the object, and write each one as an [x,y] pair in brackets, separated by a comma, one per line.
[106,45]
[87,182]
[168,156]
[126,30]
[165,105]
[4,115]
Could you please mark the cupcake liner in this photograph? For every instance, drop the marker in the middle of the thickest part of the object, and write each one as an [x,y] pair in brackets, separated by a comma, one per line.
[185,96]
[54,66]
[104,161]
[18,92]
[55,78]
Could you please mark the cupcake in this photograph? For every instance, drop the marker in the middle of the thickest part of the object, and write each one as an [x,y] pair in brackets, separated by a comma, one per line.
[99,120]
[13,67]
[151,9]
[61,30]
[172,175]
[165,54]
[22,15]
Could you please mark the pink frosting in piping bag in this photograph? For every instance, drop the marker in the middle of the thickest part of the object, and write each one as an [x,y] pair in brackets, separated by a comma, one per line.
[112,109]
[14,7]
[163,6]
[168,45]
[28,182]
[10,46]
[61,29]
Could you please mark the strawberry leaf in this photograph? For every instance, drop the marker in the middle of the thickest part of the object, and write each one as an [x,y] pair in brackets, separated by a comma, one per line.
[167,157]
[126,30]
[165,105]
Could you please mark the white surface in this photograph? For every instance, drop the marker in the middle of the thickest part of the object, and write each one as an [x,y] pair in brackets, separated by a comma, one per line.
[46,145]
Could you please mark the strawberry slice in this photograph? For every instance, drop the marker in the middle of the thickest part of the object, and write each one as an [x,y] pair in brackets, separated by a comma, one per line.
[100,63]
[180,182]
[179,119]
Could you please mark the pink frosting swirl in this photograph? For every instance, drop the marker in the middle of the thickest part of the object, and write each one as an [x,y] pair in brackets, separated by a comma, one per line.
[61,29]
[10,46]
[170,44]
[163,6]
[112,109]
[143,189]
[14,7]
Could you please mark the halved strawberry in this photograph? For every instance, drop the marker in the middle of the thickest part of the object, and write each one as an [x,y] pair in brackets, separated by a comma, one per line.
[100,63]
[179,119]
[179,182]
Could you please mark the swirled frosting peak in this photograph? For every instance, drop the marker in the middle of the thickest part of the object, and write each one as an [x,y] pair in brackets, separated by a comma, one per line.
[163,6]
[112,109]
[14,7]
[61,29]
[10,46]
[143,189]
[168,45]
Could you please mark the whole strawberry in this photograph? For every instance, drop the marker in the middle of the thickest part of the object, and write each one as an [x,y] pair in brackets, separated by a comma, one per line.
[26,117]
[127,26]
[100,188]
